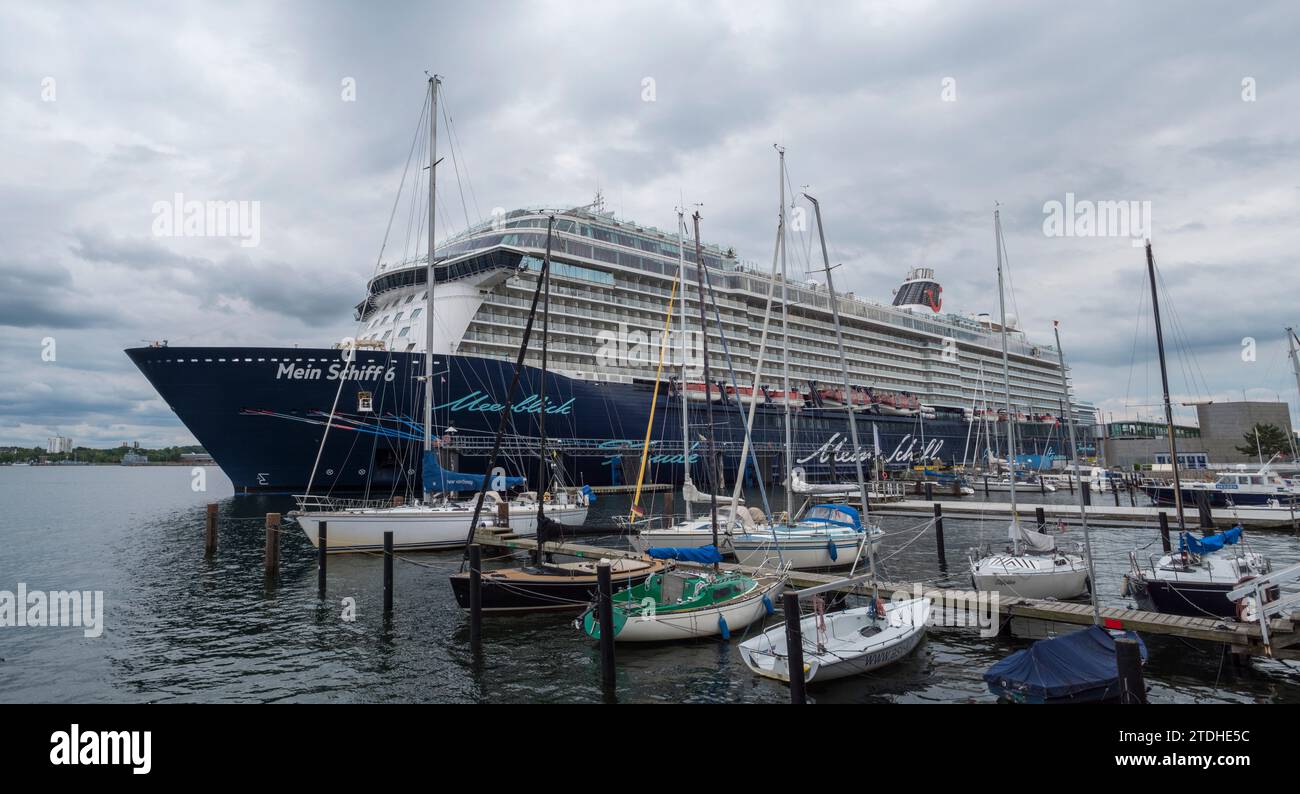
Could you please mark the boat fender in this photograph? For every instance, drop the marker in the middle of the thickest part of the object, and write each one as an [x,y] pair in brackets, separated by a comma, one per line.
[831,550]
[723,628]
[767,605]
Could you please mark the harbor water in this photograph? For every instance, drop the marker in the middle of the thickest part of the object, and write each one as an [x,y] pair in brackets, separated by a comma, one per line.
[178,627]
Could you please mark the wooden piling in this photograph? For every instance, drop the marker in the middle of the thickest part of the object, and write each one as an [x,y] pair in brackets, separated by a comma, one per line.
[1040,517]
[271,562]
[475,598]
[605,614]
[986,486]
[1069,480]
[397,501]
[929,491]
[668,503]
[1128,660]
[388,573]
[794,648]
[1042,485]
[1164,532]
[1114,487]
[503,515]
[322,554]
[210,531]
[938,534]
[1085,488]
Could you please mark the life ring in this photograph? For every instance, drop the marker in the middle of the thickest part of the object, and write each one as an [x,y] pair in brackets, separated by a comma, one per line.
[1241,604]
[884,475]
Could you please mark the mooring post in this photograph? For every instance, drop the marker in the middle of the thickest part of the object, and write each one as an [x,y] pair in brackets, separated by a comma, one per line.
[938,534]
[794,647]
[1040,516]
[1069,480]
[388,572]
[322,554]
[929,491]
[271,564]
[475,598]
[210,531]
[668,503]
[1128,660]
[1114,486]
[397,501]
[1086,488]
[986,486]
[1042,485]
[605,615]
[1164,531]
[503,514]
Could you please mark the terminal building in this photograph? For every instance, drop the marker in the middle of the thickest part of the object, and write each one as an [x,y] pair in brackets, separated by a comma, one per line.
[1220,428]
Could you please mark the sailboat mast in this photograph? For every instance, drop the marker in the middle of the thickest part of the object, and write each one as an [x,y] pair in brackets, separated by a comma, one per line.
[1295,368]
[543,470]
[1068,410]
[686,416]
[785,346]
[434,81]
[708,395]
[1006,373]
[844,365]
[1164,382]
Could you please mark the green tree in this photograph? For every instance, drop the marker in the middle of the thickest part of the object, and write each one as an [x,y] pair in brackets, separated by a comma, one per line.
[1265,441]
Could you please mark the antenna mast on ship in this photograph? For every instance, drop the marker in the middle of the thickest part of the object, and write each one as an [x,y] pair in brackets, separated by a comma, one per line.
[434,81]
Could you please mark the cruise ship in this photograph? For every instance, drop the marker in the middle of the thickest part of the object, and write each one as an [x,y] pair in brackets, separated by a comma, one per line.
[922,378]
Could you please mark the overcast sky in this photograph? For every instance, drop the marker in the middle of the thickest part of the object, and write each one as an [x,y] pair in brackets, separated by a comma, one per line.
[908,120]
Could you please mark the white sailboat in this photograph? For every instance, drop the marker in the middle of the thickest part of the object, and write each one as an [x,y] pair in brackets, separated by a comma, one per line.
[852,641]
[1033,566]
[437,521]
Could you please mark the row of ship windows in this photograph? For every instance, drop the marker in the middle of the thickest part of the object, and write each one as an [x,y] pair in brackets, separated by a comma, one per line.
[251,360]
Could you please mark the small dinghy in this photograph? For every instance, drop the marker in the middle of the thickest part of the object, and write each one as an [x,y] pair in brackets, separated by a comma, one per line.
[1074,668]
[678,604]
[842,644]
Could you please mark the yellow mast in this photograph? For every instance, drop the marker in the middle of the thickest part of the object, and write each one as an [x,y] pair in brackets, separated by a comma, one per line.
[649,427]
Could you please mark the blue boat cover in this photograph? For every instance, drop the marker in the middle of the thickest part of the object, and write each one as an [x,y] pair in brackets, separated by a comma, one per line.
[702,554]
[1186,542]
[1061,666]
[436,478]
[589,493]
[833,514]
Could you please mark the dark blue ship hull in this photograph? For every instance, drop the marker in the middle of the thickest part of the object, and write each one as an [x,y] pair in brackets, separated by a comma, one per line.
[262,413]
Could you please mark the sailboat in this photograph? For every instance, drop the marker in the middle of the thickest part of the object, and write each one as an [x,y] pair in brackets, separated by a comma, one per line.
[1033,567]
[1079,667]
[544,585]
[693,531]
[820,536]
[437,521]
[680,604]
[851,641]
[1197,578]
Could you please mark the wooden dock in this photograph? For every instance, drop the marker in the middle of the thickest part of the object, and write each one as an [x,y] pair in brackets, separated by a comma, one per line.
[1100,515]
[1022,616]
